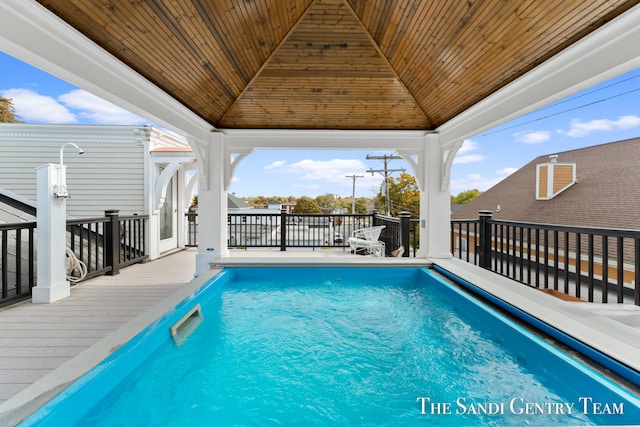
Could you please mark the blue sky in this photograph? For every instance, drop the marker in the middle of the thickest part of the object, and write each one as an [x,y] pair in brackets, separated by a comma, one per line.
[605,113]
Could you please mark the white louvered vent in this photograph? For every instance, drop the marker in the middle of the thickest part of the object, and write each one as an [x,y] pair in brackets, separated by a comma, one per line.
[552,178]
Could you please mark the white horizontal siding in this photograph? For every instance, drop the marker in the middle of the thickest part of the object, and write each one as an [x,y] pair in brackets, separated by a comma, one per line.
[109,175]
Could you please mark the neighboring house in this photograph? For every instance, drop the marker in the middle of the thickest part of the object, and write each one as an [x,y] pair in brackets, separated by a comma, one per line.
[134,169]
[594,187]
[605,193]
[236,204]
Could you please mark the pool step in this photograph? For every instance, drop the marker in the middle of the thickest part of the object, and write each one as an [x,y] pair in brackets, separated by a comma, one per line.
[186,325]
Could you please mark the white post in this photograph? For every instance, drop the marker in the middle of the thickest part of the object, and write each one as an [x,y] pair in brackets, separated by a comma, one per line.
[212,207]
[435,204]
[52,235]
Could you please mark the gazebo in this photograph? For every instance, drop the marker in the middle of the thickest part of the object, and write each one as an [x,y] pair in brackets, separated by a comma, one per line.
[414,76]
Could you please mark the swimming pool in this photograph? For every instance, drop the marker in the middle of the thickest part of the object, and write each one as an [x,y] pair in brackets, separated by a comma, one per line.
[331,346]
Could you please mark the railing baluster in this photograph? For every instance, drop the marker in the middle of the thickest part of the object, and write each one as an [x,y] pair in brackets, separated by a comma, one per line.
[546,258]
[32,259]
[521,248]
[605,269]
[590,267]
[511,268]
[18,261]
[620,269]
[5,268]
[537,245]
[556,259]
[567,263]
[578,264]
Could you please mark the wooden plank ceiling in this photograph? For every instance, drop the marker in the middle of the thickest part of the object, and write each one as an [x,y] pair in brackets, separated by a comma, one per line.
[333,64]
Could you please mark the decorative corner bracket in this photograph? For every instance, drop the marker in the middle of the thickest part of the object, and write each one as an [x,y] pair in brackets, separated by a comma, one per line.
[201,150]
[234,157]
[448,152]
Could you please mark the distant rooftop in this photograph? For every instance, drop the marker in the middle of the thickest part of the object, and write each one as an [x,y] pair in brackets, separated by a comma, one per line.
[606,193]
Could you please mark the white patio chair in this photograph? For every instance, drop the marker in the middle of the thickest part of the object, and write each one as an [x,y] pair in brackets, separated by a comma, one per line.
[366,239]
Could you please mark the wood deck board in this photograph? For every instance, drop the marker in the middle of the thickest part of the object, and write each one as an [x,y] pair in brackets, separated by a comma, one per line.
[38,338]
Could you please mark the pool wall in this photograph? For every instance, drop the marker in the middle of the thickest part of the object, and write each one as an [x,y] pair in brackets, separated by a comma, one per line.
[607,342]
[74,402]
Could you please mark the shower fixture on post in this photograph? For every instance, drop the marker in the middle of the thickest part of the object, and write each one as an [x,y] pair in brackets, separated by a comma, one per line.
[60,189]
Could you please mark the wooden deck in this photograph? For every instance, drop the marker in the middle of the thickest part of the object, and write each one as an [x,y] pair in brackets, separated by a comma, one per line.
[38,338]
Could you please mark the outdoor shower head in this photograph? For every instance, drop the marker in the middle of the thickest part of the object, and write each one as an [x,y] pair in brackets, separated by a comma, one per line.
[80,150]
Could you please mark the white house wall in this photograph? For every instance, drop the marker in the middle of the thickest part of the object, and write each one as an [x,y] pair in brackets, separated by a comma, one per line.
[109,175]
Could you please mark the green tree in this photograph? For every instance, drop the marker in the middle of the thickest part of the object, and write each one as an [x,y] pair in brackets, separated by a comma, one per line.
[465,197]
[404,196]
[7,111]
[361,205]
[307,205]
[326,201]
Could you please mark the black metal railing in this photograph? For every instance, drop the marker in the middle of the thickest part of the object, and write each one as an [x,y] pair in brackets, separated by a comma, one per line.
[282,230]
[399,232]
[192,229]
[103,245]
[17,261]
[593,264]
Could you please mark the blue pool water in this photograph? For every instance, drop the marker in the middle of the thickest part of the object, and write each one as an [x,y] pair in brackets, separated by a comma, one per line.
[325,346]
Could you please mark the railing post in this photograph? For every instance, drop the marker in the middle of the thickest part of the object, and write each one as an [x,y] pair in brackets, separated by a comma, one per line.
[485,239]
[404,231]
[112,241]
[374,217]
[283,230]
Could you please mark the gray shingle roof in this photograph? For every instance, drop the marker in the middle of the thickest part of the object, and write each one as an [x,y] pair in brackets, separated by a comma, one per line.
[606,193]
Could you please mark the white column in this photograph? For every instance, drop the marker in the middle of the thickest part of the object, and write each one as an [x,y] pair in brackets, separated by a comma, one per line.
[212,207]
[435,204]
[52,236]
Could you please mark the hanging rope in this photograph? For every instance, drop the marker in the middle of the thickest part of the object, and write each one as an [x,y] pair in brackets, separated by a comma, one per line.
[76,269]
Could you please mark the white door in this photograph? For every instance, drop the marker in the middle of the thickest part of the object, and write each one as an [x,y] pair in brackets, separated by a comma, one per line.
[169,218]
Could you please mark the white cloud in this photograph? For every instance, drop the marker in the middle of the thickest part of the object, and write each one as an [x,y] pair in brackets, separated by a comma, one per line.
[33,107]
[462,156]
[506,171]
[97,110]
[580,129]
[474,180]
[533,137]
[276,165]
[470,158]
[468,145]
[327,171]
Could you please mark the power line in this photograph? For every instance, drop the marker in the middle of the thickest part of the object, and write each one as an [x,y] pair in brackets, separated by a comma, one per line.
[573,98]
[559,112]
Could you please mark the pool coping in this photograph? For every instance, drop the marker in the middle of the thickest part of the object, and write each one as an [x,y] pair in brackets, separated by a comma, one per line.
[579,320]
[26,402]
[327,261]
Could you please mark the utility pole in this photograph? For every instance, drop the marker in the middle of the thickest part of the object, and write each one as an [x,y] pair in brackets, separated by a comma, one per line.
[385,172]
[353,192]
